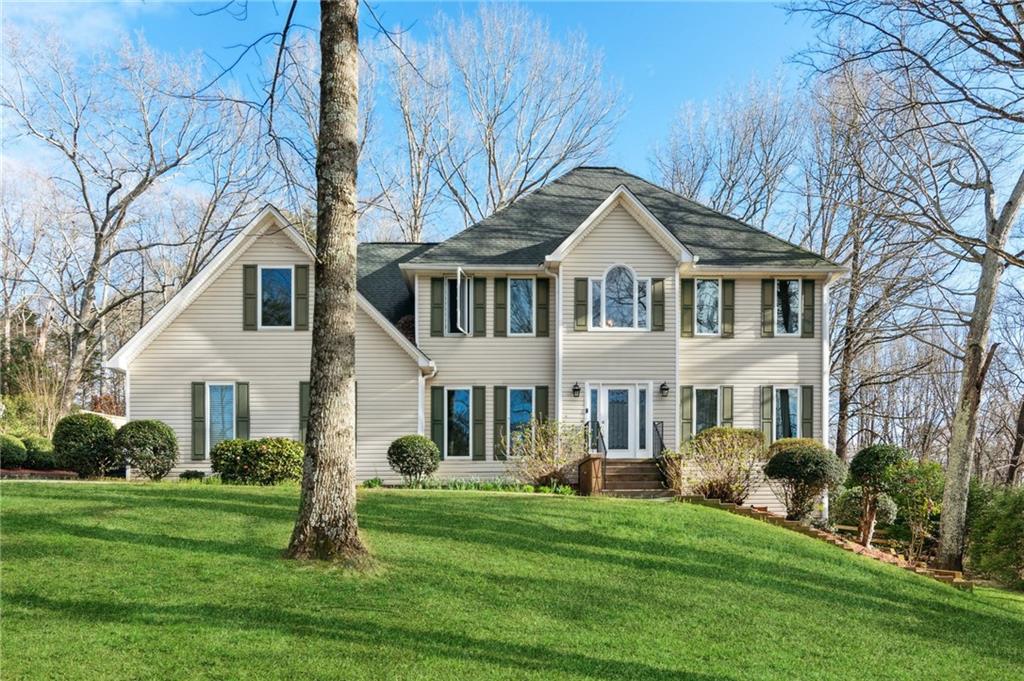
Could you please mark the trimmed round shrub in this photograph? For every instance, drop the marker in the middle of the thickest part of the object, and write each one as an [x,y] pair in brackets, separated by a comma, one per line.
[40,453]
[871,466]
[799,471]
[149,446]
[12,451]
[846,509]
[268,461]
[414,457]
[83,443]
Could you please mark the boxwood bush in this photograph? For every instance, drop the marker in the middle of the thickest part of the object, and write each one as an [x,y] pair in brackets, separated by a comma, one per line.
[83,443]
[799,471]
[871,471]
[12,451]
[148,445]
[40,453]
[268,461]
[414,457]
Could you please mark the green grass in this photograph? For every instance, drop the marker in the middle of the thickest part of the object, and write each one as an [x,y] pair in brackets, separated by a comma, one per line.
[186,581]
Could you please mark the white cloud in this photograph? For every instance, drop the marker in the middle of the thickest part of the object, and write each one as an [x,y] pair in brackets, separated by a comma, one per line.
[84,26]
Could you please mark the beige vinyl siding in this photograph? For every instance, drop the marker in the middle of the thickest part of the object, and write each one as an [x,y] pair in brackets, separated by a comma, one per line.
[620,356]
[206,343]
[488,361]
[748,361]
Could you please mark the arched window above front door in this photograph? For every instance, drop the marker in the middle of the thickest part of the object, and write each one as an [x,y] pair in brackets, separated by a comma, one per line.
[619,300]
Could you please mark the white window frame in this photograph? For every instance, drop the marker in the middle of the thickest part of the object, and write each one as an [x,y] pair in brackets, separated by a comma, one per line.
[508,409]
[718,407]
[696,326]
[775,407]
[604,302]
[259,297]
[634,388]
[234,408]
[469,390]
[533,307]
[799,306]
[459,276]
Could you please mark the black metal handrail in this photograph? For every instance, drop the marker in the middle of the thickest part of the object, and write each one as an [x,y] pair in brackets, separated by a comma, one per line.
[659,450]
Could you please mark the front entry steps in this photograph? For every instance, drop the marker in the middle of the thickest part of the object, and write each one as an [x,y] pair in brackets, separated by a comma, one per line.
[950,577]
[635,479]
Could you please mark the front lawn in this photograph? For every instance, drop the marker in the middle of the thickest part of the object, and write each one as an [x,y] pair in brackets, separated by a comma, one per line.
[185,581]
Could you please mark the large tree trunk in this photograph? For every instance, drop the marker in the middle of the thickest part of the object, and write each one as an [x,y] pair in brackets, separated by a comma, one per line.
[1018,448]
[953,524]
[326,527]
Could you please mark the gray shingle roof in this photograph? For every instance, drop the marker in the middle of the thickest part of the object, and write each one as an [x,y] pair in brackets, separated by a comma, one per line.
[532,227]
[380,280]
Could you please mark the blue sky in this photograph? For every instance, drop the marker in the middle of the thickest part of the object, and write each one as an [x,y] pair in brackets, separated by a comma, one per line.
[660,53]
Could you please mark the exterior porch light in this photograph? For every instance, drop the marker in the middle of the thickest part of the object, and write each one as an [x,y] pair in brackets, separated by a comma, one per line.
[663,389]
[576,389]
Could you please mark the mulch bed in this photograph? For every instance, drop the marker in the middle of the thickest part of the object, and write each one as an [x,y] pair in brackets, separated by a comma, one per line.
[31,474]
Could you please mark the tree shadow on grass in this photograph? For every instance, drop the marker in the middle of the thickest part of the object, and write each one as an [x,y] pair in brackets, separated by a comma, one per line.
[511,658]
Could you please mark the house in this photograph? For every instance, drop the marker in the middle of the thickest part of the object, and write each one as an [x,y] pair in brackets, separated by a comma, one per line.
[599,297]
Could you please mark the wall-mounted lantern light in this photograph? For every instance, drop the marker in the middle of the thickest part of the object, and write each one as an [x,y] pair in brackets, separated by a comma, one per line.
[663,389]
[575,389]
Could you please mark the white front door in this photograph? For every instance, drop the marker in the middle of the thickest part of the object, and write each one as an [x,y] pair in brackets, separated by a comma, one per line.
[623,414]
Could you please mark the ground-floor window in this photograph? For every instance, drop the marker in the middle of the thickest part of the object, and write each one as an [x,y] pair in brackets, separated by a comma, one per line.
[220,416]
[787,410]
[458,417]
[705,409]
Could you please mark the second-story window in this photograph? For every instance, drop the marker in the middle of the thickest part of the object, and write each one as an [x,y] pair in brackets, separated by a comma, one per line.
[787,307]
[275,297]
[520,309]
[620,300]
[707,307]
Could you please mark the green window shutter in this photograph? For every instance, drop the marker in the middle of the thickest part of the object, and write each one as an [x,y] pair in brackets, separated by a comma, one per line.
[579,303]
[686,308]
[249,301]
[500,423]
[480,306]
[500,307]
[657,304]
[303,410]
[543,307]
[242,411]
[728,307]
[436,306]
[807,411]
[767,308]
[302,297]
[726,402]
[540,403]
[479,427]
[198,421]
[685,413]
[437,417]
[807,318]
[767,394]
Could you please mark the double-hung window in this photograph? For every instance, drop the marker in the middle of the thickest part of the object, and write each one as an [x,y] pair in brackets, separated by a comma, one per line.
[787,307]
[705,409]
[458,419]
[276,297]
[522,302]
[620,300]
[787,412]
[458,303]
[220,413]
[520,411]
[708,307]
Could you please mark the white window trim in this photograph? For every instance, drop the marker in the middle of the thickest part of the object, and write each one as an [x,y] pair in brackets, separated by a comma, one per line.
[234,406]
[775,407]
[259,297]
[533,308]
[469,322]
[696,326]
[604,299]
[468,389]
[799,306]
[718,407]
[649,413]
[508,410]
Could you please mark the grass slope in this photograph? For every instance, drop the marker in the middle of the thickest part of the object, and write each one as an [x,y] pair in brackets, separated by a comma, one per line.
[185,581]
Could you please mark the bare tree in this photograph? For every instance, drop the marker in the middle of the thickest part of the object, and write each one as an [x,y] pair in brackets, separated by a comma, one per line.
[326,527]
[733,154]
[525,108]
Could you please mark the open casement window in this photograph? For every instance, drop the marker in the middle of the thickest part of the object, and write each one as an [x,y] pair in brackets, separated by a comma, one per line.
[787,307]
[620,300]
[458,305]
